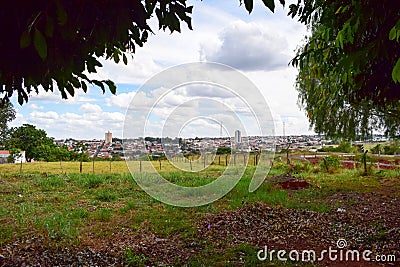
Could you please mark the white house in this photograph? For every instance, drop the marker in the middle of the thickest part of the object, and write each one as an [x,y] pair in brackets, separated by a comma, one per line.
[4,154]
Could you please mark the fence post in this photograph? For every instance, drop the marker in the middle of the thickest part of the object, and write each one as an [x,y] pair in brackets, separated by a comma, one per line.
[110,165]
[160,164]
[204,163]
[61,165]
[190,164]
[140,166]
[226,160]
[219,160]
[93,166]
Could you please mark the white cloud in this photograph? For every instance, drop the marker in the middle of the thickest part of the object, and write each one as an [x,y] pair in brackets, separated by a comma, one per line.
[248,46]
[90,108]
[55,97]
[18,121]
[50,115]
[34,106]
[121,100]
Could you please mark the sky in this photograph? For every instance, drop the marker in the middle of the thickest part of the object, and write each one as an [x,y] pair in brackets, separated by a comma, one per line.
[259,45]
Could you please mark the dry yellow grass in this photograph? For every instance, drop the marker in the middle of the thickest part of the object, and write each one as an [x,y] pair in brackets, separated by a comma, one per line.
[100,167]
[103,167]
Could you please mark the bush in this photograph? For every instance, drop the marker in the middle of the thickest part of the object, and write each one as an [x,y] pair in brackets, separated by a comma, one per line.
[330,164]
[299,167]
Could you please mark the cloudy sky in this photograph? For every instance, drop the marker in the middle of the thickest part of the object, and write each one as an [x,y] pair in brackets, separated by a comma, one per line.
[259,45]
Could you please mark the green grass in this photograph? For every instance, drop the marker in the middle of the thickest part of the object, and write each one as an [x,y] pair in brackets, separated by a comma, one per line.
[63,207]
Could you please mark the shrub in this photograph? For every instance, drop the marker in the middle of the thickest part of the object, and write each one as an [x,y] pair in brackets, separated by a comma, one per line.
[330,164]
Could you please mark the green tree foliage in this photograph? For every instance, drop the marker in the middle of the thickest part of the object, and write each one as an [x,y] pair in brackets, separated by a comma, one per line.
[388,149]
[330,164]
[343,147]
[54,44]
[223,150]
[33,141]
[349,68]
[7,114]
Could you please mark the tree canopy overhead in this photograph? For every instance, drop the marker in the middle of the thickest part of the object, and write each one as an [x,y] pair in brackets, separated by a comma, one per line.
[349,68]
[54,43]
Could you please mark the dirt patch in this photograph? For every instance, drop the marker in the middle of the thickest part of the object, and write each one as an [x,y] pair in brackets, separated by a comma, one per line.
[289,182]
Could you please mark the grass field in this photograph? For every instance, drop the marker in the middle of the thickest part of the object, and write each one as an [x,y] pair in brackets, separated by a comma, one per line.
[71,209]
[118,167]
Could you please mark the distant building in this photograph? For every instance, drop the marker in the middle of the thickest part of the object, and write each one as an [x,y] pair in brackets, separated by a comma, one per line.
[5,154]
[238,136]
[108,138]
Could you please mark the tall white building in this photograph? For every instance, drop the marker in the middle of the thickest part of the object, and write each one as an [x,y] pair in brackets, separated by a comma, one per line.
[238,136]
[108,138]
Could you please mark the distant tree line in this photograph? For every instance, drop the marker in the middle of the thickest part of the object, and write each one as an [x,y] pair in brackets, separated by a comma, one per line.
[38,146]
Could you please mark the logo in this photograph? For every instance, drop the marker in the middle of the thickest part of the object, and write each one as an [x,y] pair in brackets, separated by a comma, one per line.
[199,99]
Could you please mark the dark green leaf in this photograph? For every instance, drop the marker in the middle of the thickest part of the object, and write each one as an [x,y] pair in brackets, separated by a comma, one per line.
[396,72]
[70,89]
[116,57]
[392,33]
[111,86]
[270,4]
[248,5]
[292,10]
[84,86]
[124,59]
[99,84]
[40,44]
[25,40]
[62,16]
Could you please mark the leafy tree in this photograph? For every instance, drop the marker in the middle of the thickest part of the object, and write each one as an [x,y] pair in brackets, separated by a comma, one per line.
[377,149]
[29,139]
[64,154]
[349,68]
[343,147]
[7,114]
[223,150]
[55,43]
[392,148]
